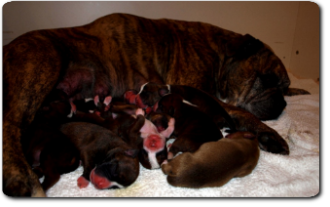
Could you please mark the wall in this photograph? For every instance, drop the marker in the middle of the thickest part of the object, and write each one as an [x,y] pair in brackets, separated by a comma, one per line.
[272,22]
[305,55]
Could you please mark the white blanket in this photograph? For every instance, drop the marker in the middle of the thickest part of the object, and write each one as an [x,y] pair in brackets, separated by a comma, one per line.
[296,175]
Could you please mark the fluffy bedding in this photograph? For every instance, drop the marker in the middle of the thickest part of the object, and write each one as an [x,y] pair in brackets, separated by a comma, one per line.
[296,175]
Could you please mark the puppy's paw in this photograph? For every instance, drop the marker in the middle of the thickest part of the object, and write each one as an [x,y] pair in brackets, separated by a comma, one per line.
[139,111]
[82,182]
[171,122]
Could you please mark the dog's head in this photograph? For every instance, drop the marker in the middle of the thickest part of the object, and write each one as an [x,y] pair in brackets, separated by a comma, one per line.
[160,120]
[253,78]
[171,105]
[150,93]
[56,106]
[118,170]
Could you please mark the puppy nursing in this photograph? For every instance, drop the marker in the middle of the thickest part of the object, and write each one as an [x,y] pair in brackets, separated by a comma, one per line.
[112,138]
[214,163]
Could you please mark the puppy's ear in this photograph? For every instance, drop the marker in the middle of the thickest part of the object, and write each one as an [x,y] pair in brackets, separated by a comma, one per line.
[96,100]
[163,91]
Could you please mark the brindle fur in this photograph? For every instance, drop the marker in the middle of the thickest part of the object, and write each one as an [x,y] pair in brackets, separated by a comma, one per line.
[119,52]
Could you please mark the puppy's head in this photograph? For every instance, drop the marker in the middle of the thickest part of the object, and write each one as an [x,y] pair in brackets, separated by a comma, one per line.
[120,169]
[150,93]
[160,120]
[170,104]
[153,153]
[56,106]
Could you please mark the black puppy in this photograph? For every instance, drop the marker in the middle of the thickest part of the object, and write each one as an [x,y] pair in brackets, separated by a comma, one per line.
[108,161]
[48,150]
[192,127]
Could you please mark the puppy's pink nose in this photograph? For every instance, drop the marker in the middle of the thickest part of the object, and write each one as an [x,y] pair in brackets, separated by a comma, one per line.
[154,142]
[98,181]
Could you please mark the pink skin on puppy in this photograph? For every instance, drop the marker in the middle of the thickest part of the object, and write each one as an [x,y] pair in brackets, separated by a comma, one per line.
[154,141]
[99,182]
[82,182]
[130,96]
[133,98]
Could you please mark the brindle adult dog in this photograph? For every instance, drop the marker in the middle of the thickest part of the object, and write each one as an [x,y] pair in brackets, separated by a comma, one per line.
[120,52]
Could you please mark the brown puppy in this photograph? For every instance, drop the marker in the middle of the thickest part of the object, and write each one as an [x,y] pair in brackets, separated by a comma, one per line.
[214,163]
[108,161]
[47,149]
[150,93]
[192,126]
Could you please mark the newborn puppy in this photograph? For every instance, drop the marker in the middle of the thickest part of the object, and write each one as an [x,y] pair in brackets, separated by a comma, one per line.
[150,93]
[108,161]
[160,120]
[46,149]
[192,126]
[214,163]
[154,151]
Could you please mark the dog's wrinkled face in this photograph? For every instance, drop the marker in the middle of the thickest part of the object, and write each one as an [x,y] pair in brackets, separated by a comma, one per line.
[254,79]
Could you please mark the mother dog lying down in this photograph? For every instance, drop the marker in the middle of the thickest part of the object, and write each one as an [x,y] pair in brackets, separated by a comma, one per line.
[119,52]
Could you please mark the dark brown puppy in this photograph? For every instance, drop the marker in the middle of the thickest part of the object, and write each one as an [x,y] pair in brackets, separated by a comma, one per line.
[47,149]
[108,161]
[192,126]
[100,59]
[214,163]
[150,93]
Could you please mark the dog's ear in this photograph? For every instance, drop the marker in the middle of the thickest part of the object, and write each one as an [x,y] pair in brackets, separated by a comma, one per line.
[243,47]
[295,91]
[163,91]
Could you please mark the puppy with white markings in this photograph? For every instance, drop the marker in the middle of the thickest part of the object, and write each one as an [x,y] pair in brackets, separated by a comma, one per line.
[150,93]
[154,151]
[192,127]
[108,161]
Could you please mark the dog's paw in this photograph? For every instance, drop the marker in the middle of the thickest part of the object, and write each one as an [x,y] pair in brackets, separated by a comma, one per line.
[22,185]
[171,122]
[272,142]
[17,188]
[139,111]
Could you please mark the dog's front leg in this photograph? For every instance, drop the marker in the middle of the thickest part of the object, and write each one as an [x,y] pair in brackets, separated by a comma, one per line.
[269,139]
